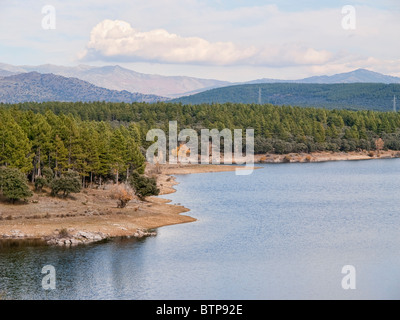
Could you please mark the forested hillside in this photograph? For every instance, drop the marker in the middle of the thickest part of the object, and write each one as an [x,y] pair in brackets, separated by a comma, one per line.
[357,96]
[96,150]
[107,140]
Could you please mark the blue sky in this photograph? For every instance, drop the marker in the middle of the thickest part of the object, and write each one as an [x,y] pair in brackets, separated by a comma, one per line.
[232,40]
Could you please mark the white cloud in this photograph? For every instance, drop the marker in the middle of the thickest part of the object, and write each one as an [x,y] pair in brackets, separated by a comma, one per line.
[117,40]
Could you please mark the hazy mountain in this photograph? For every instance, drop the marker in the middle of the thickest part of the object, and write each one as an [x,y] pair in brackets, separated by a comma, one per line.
[38,87]
[374,96]
[118,78]
[356,76]
[5,73]
[12,69]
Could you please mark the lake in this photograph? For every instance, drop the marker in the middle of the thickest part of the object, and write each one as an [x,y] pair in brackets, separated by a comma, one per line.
[284,232]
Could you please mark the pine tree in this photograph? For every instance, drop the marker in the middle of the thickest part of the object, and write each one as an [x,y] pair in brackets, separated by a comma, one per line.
[90,140]
[60,155]
[39,133]
[118,147]
[14,145]
[104,150]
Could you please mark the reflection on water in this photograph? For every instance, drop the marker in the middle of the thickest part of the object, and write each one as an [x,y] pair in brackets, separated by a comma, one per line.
[284,232]
[9,244]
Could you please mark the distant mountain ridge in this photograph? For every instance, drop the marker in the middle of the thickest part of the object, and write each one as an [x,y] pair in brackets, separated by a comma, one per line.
[118,78]
[5,73]
[356,76]
[37,87]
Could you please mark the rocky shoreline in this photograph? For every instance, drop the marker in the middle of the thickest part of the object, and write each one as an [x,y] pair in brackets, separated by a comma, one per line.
[73,237]
[325,156]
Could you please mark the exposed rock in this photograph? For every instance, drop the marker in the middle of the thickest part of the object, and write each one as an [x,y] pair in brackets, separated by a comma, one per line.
[80,237]
[143,233]
[74,242]
[52,242]
[85,237]
[14,234]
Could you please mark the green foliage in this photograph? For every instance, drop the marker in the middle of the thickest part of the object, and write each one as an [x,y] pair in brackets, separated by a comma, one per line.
[13,184]
[357,96]
[32,141]
[48,174]
[40,183]
[44,180]
[15,146]
[67,183]
[143,186]
[106,141]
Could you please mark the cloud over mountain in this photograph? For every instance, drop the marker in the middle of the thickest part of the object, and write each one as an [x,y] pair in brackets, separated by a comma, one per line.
[117,40]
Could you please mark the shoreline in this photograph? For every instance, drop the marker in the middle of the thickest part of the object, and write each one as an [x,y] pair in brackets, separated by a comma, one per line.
[325,156]
[92,216]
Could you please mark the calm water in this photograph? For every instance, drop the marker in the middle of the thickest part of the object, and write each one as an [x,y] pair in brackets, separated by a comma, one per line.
[284,232]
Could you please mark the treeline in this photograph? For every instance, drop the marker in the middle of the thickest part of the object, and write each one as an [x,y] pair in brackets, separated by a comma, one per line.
[103,141]
[96,150]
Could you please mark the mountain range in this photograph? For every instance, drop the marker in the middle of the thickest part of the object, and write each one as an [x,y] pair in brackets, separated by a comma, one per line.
[118,78]
[115,83]
[356,76]
[37,87]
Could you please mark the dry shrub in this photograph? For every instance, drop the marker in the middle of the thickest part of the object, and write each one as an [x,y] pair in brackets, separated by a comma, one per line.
[379,144]
[63,233]
[123,193]
[287,159]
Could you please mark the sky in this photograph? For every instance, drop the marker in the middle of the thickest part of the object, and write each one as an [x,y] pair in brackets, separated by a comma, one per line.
[233,40]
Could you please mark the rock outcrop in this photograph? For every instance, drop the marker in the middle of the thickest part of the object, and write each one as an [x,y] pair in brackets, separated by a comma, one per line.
[84,237]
